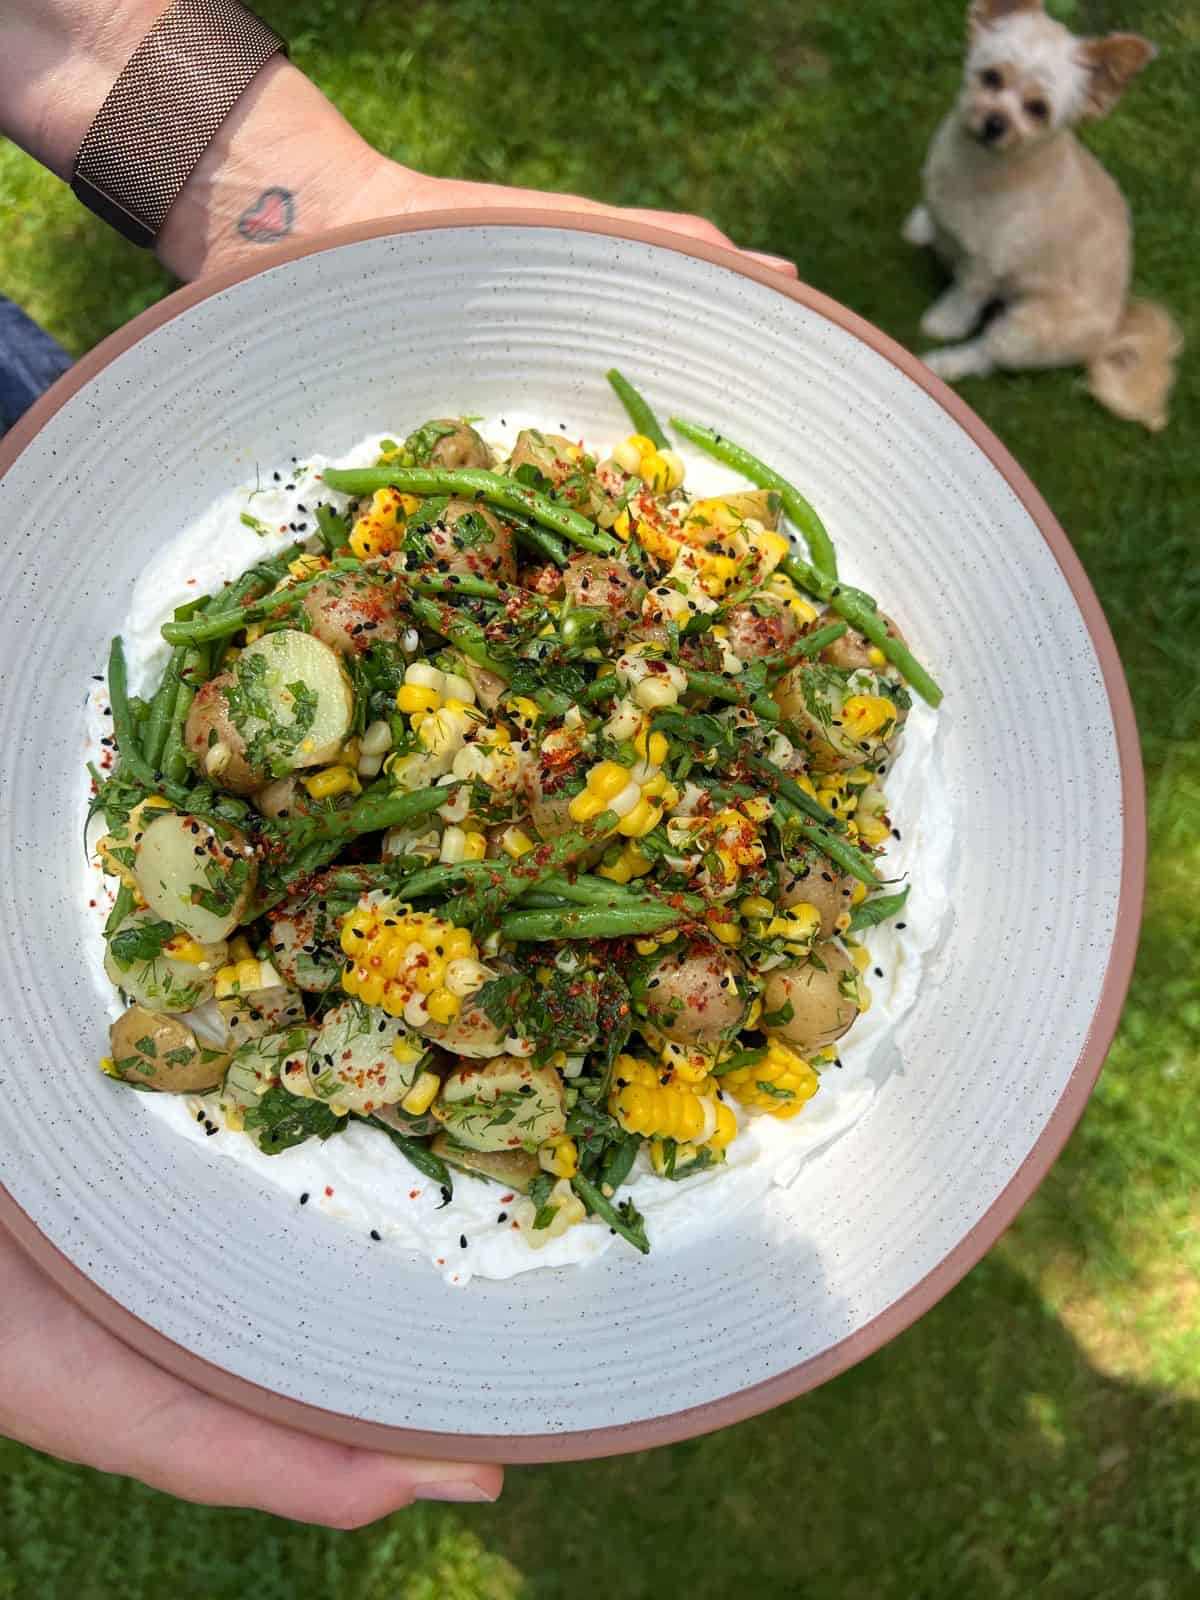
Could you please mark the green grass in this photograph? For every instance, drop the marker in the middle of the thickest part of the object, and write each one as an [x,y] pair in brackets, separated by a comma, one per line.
[1039,1432]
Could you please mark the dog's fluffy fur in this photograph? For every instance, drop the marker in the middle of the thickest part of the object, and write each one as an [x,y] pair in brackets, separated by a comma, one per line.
[1023,214]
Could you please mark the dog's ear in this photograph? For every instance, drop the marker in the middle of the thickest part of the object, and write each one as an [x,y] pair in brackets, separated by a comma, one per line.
[982,13]
[1112,63]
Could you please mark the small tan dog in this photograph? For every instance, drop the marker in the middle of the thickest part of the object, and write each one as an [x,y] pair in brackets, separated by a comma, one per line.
[1023,214]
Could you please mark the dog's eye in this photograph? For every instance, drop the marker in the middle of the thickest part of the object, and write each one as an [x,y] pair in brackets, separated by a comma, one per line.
[991,79]
[1037,109]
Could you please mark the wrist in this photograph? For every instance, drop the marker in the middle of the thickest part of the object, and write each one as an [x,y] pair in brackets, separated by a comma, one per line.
[58,63]
[284,164]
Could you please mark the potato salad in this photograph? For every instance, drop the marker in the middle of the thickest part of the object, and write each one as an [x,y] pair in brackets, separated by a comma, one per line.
[525,808]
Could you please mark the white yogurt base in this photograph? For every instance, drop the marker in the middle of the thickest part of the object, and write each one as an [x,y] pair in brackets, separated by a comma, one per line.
[358,1176]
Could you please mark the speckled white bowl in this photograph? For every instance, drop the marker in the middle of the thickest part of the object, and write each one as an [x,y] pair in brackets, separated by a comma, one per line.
[220,1278]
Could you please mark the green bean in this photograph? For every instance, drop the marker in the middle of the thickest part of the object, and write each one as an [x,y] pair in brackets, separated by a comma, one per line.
[121,907]
[618,1163]
[434,879]
[729,689]
[377,809]
[800,512]
[588,890]
[541,541]
[841,853]
[787,786]
[862,612]
[463,583]
[123,729]
[596,1202]
[643,419]
[420,1155]
[232,619]
[158,724]
[490,487]
[811,645]
[465,635]
[872,912]
[484,902]
[591,922]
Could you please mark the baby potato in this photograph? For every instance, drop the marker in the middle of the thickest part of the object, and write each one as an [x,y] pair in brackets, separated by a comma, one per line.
[352,611]
[559,758]
[694,994]
[811,879]
[761,627]
[470,538]
[607,586]
[553,456]
[853,649]
[472,1033]
[818,701]
[196,874]
[512,1169]
[812,1005]
[287,704]
[305,943]
[507,1105]
[351,1062]
[460,448]
[138,961]
[159,1052]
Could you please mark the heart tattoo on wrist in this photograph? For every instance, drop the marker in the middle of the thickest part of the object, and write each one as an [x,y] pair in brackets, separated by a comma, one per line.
[268,218]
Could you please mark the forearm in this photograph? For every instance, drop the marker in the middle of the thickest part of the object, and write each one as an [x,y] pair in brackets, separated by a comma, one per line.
[284,163]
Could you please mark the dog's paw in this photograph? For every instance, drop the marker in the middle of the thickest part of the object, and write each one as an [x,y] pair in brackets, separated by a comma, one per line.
[918,227]
[948,319]
[958,361]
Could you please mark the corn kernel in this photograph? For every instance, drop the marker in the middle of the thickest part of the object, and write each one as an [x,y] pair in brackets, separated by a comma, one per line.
[876,657]
[332,781]
[780,1084]
[865,714]
[413,699]
[182,948]
[559,1156]
[515,842]
[422,1094]
[522,706]
[444,1006]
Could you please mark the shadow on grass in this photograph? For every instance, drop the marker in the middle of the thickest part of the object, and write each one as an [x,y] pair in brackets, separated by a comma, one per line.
[979,1457]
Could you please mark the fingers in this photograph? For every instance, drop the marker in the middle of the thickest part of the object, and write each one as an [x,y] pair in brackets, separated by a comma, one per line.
[776,263]
[70,1388]
[450,193]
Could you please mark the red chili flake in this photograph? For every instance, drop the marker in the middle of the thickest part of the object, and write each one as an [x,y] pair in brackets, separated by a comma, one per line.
[191,580]
[91,903]
[328,1190]
[441,1261]
[506,1199]
[414,1194]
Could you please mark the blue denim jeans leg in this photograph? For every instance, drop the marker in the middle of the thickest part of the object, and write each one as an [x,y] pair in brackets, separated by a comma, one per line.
[30,361]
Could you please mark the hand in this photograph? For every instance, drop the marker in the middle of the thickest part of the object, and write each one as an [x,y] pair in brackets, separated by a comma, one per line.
[69,1387]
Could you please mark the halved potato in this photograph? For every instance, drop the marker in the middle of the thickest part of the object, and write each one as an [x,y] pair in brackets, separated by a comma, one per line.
[725,512]
[513,1169]
[197,874]
[278,1057]
[287,704]
[507,1105]
[158,1052]
[139,961]
[352,1064]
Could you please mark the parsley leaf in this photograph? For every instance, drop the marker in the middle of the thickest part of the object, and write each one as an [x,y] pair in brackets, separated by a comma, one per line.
[282,1120]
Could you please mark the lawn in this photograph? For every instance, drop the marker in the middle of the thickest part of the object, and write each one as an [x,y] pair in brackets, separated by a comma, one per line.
[1039,1432]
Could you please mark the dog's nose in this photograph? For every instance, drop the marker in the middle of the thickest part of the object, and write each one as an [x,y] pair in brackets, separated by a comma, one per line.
[993,127]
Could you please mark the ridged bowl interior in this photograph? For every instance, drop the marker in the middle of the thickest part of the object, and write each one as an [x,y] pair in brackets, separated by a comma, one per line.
[373,335]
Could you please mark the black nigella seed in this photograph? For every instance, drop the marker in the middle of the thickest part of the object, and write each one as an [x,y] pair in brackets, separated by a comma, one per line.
[503,1217]
[376,1235]
[462,1240]
[879,972]
[900,926]
[304,1198]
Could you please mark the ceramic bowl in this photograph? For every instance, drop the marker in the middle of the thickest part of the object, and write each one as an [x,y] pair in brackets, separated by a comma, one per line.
[191,1259]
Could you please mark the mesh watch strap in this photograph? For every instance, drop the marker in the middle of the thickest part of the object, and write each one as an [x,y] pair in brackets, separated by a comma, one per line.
[173,94]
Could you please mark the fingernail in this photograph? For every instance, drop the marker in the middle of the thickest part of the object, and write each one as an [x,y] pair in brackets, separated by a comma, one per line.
[781,263]
[459,1489]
